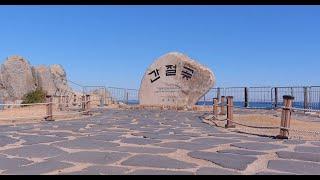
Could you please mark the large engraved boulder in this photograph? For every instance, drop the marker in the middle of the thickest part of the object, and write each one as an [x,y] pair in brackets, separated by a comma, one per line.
[175,80]
[16,77]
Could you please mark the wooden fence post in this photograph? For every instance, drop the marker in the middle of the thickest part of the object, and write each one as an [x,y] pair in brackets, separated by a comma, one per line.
[215,107]
[67,101]
[88,102]
[49,116]
[246,97]
[222,106]
[230,112]
[59,103]
[63,102]
[83,102]
[285,117]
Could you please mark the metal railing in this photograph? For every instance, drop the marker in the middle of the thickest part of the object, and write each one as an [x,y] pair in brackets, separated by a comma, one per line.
[306,97]
[264,97]
[127,96]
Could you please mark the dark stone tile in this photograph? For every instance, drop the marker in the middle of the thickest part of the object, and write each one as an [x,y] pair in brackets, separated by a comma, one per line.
[63,134]
[5,140]
[289,141]
[144,150]
[296,167]
[316,143]
[85,143]
[307,149]
[139,141]
[258,139]
[227,135]
[34,151]
[161,136]
[35,139]
[241,152]
[215,171]
[214,141]
[299,156]
[38,168]
[12,163]
[17,128]
[159,172]
[258,146]
[92,157]
[100,170]
[106,137]
[225,160]
[273,173]
[157,161]
[185,145]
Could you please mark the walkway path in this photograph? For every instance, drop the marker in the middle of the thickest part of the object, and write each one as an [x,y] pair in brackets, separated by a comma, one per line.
[148,142]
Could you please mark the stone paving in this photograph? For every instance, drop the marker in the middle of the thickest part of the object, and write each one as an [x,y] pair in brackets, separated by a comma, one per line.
[148,142]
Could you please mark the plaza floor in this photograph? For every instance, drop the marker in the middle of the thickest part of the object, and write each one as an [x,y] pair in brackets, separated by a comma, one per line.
[148,142]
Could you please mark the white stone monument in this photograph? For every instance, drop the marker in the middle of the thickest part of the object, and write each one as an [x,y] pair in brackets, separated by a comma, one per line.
[175,80]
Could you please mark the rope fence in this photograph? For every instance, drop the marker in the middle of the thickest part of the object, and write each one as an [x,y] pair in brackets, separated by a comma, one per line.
[284,123]
[47,110]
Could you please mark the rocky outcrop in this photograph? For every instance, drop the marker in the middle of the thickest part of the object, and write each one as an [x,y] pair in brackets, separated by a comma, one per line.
[59,77]
[18,77]
[175,80]
[44,79]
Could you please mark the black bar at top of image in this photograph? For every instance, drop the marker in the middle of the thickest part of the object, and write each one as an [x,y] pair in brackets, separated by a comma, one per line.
[159,2]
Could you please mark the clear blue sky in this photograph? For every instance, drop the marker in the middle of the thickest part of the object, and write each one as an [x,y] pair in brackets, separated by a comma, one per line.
[113,45]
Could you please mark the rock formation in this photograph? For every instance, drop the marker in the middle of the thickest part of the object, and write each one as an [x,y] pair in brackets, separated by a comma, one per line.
[175,80]
[59,76]
[18,77]
[44,79]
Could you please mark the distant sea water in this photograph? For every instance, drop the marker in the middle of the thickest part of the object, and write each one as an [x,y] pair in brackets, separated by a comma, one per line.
[267,105]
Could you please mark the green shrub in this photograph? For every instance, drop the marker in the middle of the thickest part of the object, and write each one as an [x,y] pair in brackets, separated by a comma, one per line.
[36,96]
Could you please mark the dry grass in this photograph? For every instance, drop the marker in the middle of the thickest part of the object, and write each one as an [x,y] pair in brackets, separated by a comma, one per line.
[34,114]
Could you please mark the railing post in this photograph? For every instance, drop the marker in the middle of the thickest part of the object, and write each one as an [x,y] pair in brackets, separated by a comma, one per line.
[218,93]
[215,107]
[204,100]
[275,97]
[230,112]
[127,96]
[222,105]
[305,98]
[285,117]
[101,102]
[49,116]
[246,97]
[83,102]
